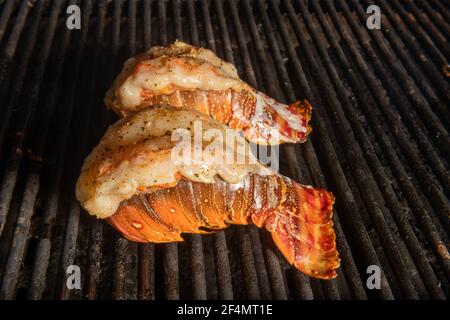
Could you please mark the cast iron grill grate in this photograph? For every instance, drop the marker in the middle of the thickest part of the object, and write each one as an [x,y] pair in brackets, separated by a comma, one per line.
[380,142]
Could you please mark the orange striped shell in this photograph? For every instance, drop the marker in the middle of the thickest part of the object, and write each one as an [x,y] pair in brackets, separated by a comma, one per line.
[298,217]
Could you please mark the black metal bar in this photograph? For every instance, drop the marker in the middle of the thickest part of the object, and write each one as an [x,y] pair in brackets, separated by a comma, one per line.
[119,268]
[132,27]
[146,272]
[170,252]
[195,241]
[247,260]
[4,19]
[192,22]
[435,18]
[222,264]
[162,22]
[147,23]
[147,251]
[177,19]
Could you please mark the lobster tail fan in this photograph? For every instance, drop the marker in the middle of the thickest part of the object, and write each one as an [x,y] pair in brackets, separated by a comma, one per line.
[302,229]
[303,109]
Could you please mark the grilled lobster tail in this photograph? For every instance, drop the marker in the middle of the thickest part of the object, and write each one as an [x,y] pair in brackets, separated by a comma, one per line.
[262,119]
[298,217]
[195,78]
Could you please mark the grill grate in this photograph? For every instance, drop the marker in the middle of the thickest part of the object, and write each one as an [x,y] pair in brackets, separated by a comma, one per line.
[380,143]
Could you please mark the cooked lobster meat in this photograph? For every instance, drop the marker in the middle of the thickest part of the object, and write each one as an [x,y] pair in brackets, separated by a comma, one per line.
[135,180]
[186,76]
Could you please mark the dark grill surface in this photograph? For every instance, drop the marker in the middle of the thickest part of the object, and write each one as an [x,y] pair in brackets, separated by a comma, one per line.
[380,142]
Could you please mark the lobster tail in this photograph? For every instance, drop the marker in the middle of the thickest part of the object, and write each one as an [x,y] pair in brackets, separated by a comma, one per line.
[303,111]
[298,217]
[302,229]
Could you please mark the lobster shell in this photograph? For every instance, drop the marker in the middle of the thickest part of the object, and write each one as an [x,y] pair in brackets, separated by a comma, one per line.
[238,110]
[298,217]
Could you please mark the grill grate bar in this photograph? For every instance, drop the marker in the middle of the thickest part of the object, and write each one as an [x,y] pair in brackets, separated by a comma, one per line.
[119,268]
[147,250]
[261,272]
[274,271]
[178,28]
[222,263]
[121,245]
[195,240]
[248,268]
[4,19]
[170,254]
[147,24]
